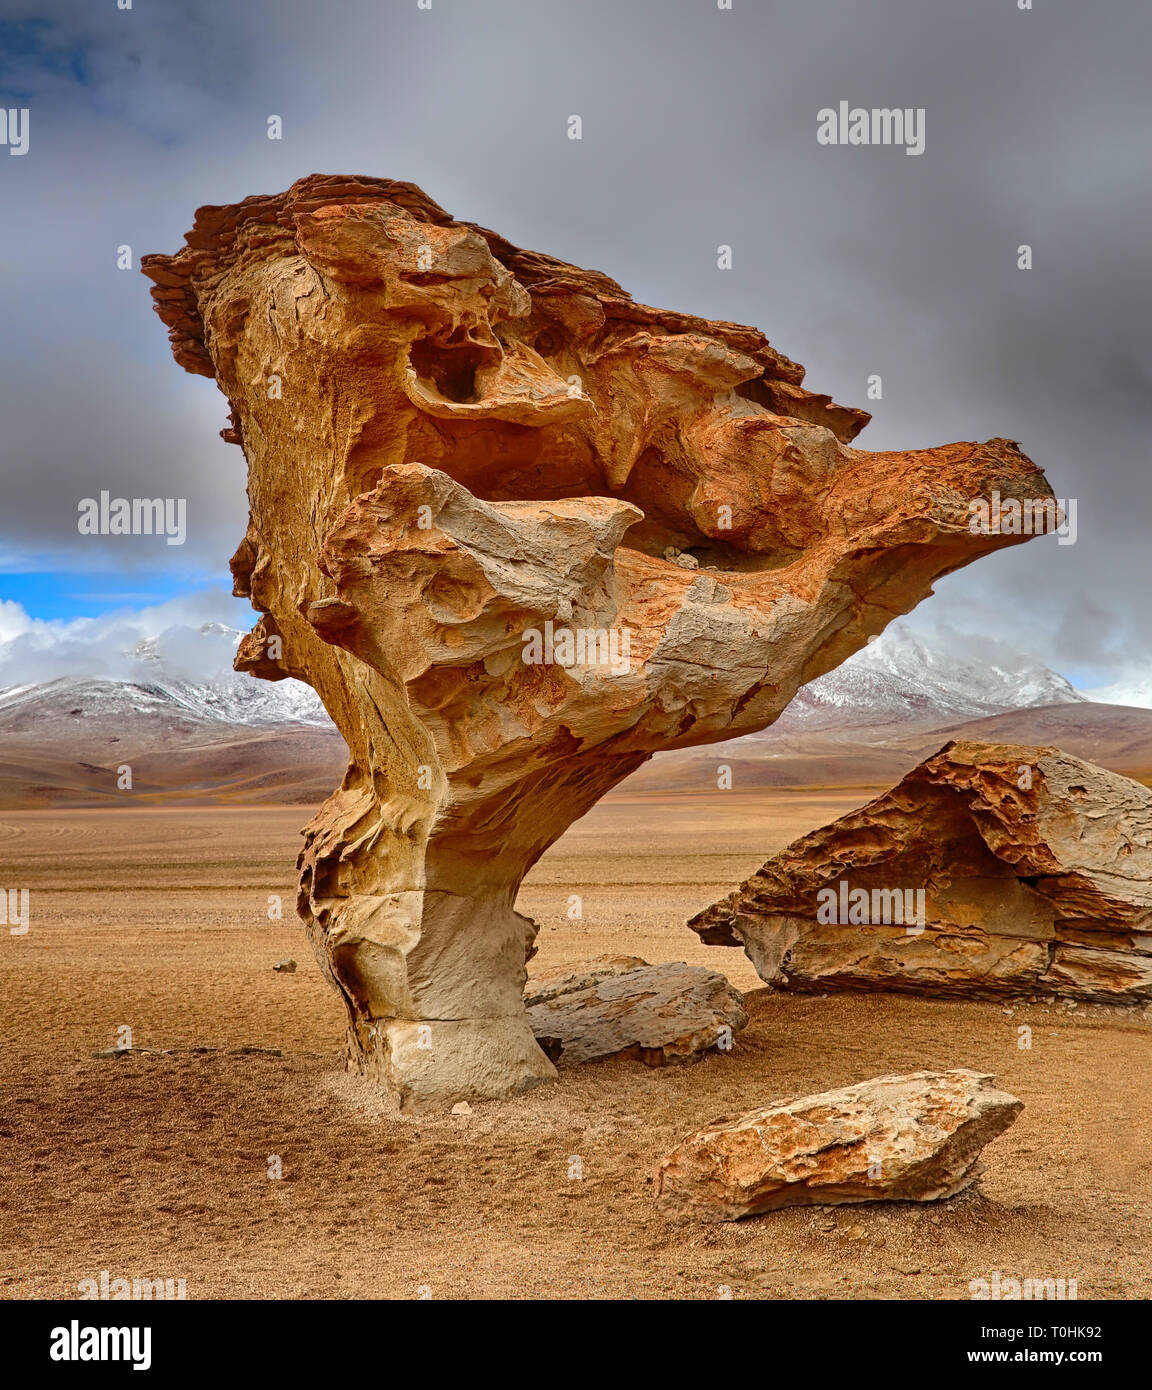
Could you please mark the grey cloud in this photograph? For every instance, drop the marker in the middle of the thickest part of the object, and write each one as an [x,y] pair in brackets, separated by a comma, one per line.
[699,129]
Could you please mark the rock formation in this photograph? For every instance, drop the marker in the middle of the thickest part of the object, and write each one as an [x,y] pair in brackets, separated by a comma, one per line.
[913,1138]
[990,870]
[620,1006]
[466,466]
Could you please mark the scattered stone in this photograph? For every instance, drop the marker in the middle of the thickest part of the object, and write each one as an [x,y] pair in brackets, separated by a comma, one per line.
[287,966]
[895,1138]
[622,1006]
[461,1108]
[991,870]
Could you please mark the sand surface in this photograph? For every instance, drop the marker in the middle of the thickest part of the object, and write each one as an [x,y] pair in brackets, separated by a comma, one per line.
[156,1165]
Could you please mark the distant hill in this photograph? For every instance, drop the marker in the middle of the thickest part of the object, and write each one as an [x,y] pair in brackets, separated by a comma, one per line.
[878,755]
[62,743]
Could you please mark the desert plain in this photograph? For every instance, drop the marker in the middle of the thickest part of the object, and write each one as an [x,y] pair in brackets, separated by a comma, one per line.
[156,1163]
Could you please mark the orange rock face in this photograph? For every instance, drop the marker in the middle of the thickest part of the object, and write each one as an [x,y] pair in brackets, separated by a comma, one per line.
[519,533]
[914,1138]
[991,870]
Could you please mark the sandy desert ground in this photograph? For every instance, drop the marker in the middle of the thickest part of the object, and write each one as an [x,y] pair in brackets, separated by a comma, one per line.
[156,1165]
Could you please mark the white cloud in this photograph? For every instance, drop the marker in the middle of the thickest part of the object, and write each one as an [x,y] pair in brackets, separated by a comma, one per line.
[186,638]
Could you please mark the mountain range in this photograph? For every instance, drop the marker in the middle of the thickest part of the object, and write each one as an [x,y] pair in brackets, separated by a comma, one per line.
[901,675]
[238,739]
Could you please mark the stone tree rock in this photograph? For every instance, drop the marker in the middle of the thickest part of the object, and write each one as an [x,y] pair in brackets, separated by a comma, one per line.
[466,462]
[990,870]
[914,1138]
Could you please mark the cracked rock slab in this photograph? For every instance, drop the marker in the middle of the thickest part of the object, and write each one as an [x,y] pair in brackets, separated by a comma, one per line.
[914,1138]
[619,1006]
[1026,870]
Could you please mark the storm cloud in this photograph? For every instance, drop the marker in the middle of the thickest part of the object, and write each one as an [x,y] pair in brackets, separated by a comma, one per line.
[699,130]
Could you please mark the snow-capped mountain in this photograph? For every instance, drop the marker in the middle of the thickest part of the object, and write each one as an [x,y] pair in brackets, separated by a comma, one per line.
[904,675]
[228,695]
[1136,691]
[157,687]
[241,701]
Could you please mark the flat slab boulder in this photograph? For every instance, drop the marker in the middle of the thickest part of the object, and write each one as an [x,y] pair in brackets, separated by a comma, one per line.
[914,1138]
[991,870]
[620,1006]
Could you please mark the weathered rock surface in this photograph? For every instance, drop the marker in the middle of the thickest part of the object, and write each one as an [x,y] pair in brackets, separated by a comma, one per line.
[466,463]
[1035,870]
[622,1006]
[913,1138]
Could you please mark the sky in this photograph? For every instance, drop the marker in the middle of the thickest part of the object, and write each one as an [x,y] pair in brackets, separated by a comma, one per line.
[699,129]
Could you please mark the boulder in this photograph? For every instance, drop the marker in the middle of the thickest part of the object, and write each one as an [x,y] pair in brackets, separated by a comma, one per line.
[620,1006]
[914,1138]
[991,870]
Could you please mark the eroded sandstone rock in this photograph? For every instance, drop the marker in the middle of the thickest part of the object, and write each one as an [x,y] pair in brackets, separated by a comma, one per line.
[466,463]
[913,1138]
[990,870]
[620,1006]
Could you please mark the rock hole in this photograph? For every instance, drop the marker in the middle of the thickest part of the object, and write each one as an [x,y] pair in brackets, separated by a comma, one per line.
[452,370]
